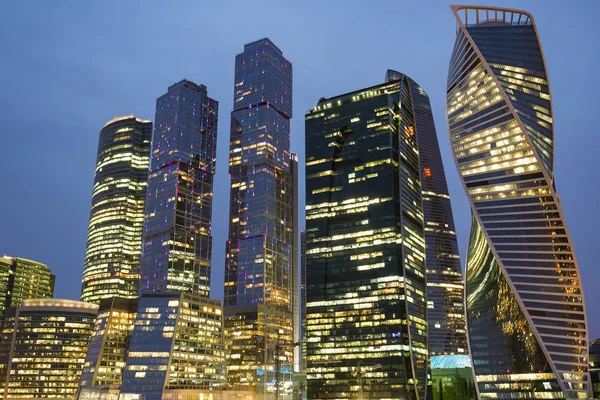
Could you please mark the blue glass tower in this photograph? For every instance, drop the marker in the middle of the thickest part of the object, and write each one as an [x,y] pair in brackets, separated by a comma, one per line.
[259,274]
[177,233]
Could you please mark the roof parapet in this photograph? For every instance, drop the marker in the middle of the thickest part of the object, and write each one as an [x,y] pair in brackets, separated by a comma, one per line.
[477,15]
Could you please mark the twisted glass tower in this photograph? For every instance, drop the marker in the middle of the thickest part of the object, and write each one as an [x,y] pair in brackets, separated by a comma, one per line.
[525,310]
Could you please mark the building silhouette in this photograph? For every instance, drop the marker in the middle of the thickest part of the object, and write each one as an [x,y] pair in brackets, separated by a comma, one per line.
[525,310]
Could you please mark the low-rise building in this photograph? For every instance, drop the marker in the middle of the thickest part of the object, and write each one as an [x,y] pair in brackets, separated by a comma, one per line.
[44,345]
[177,345]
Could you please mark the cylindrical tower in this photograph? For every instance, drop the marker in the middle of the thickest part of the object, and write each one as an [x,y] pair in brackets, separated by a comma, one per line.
[114,245]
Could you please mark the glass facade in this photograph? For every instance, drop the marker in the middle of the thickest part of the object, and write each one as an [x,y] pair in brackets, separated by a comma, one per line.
[108,348]
[261,266]
[177,344]
[302,317]
[595,367]
[114,243]
[44,342]
[295,270]
[177,243]
[22,279]
[447,333]
[366,327]
[525,311]
[452,378]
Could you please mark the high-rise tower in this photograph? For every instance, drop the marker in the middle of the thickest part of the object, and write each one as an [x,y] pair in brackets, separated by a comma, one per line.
[366,327]
[177,232]
[114,244]
[525,309]
[260,257]
[447,333]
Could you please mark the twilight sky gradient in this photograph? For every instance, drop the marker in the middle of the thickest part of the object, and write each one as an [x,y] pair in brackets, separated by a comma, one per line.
[68,67]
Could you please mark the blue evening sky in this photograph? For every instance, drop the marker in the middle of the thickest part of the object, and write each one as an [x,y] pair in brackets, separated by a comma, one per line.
[66,67]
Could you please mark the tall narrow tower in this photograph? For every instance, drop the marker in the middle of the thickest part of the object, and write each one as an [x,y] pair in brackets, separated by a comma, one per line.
[525,309]
[260,258]
[366,322]
[446,334]
[177,232]
[114,243]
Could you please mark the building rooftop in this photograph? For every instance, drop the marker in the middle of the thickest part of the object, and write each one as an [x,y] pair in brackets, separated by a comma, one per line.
[486,15]
[125,117]
[65,303]
[450,361]
[262,42]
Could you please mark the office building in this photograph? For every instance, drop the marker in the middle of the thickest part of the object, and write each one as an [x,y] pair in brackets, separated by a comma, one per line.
[295,295]
[114,244]
[525,311]
[43,347]
[595,367]
[107,352]
[176,347]
[366,327]
[261,267]
[447,333]
[22,279]
[302,319]
[177,242]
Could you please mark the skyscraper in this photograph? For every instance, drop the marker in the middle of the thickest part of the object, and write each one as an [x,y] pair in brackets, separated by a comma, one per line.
[114,244]
[525,310]
[22,279]
[177,241]
[44,342]
[447,333]
[366,328]
[260,265]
